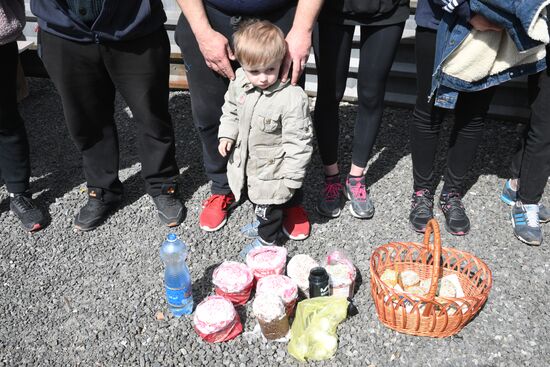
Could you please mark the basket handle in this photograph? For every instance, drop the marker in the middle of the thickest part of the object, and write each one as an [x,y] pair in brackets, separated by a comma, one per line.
[435,249]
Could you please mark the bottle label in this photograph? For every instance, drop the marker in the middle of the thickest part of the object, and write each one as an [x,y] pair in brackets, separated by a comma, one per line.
[324,291]
[179,296]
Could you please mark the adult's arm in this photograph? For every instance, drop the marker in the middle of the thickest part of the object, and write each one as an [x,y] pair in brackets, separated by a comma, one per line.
[299,38]
[462,9]
[213,45]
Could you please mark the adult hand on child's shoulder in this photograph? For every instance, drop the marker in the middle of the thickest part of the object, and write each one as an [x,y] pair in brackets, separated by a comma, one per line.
[299,44]
[480,23]
[217,53]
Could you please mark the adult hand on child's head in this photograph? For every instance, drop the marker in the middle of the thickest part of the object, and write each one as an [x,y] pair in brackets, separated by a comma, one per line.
[480,23]
[225,146]
[299,44]
[217,53]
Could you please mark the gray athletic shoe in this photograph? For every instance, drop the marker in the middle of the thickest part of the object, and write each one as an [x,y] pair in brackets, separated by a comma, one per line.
[330,202]
[361,204]
[509,196]
[525,220]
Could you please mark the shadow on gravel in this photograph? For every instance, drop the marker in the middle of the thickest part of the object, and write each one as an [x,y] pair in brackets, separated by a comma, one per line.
[5,205]
[188,146]
[500,142]
[390,147]
[57,166]
[202,288]
[494,154]
[57,163]
[358,280]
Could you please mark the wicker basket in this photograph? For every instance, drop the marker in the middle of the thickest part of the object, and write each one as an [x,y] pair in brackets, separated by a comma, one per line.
[428,315]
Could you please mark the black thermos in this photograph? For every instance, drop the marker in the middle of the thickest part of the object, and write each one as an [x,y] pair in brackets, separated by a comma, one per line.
[318,282]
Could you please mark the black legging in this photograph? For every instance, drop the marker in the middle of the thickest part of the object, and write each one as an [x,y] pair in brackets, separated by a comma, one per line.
[531,162]
[467,130]
[332,53]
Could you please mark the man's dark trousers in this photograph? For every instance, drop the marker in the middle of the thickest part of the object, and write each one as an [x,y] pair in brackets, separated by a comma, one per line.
[14,147]
[86,76]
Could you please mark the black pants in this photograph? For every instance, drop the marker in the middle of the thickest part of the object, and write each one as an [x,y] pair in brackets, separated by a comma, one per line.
[271,217]
[208,88]
[86,76]
[467,131]
[332,53]
[14,147]
[531,162]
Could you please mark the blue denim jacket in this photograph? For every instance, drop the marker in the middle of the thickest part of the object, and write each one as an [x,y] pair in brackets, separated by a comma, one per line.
[453,31]
[514,16]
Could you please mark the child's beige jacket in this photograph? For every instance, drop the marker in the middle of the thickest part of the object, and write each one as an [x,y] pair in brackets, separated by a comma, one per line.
[272,131]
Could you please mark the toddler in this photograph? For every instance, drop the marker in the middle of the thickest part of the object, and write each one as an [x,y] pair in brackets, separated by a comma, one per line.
[265,127]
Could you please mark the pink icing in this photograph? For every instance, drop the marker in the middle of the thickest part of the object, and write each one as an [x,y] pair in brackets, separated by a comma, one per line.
[213,314]
[281,285]
[267,260]
[232,277]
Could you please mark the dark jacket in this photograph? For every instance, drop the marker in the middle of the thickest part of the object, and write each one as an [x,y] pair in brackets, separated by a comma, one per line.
[430,12]
[375,12]
[119,20]
[254,8]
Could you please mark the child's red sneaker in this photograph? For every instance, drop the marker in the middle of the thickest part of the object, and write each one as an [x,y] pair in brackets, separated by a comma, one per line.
[295,223]
[214,212]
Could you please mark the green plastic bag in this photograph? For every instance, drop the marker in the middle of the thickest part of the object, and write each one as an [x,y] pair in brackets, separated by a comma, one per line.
[314,328]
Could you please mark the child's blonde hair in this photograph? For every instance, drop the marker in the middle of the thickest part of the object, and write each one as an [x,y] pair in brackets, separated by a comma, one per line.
[259,43]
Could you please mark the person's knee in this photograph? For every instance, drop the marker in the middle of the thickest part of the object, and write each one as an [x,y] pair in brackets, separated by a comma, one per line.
[370,98]
[330,95]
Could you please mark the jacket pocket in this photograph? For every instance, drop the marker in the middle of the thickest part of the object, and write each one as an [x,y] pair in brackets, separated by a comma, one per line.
[269,124]
[235,156]
[269,162]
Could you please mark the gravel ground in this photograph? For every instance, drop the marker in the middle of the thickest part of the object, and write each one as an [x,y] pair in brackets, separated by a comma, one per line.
[91,298]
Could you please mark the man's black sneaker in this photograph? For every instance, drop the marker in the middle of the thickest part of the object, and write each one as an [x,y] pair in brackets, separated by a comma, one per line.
[422,210]
[22,205]
[456,220]
[95,212]
[169,206]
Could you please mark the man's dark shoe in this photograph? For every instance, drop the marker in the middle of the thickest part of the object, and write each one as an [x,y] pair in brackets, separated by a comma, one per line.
[456,221]
[95,212]
[169,206]
[422,210]
[22,205]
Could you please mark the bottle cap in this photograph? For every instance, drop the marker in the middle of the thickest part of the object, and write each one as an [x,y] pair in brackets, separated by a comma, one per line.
[318,275]
[171,237]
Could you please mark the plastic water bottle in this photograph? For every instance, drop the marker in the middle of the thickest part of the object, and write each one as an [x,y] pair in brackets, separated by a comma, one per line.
[177,280]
